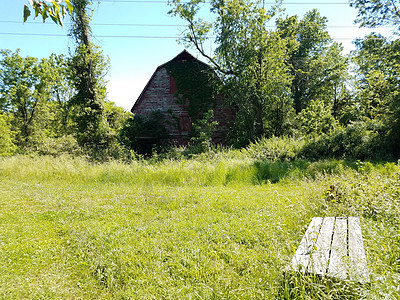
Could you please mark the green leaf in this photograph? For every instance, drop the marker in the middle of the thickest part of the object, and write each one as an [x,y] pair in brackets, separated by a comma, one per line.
[38,10]
[55,20]
[70,7]
[44,15]
[56,8]
[61,15]
[27,12]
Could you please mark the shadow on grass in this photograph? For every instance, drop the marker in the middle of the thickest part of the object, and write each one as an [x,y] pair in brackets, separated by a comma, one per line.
[275,171]
[297,285]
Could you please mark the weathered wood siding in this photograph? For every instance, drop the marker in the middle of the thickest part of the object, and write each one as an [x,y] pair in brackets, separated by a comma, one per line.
[159,95]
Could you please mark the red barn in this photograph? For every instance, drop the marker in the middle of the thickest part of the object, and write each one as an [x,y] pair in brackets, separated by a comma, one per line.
[181,91]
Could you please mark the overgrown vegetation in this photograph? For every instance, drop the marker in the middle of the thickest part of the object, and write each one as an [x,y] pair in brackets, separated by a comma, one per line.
[217,226]
[194,81]
[290,85]
[294,80]
[84,216]
[145,134]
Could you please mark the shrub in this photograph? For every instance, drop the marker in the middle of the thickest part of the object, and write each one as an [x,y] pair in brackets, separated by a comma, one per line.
[7,146]
[275,148]
[56,146]
[201,140]
[144,134]
[359,140]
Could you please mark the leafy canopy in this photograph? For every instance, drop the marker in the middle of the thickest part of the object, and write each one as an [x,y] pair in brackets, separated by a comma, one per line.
[249,59]
[373,13]
[55,9]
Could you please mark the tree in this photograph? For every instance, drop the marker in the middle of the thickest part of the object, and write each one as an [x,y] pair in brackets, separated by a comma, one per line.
[61,94]
[24,85]
[377,72]
[378,85]
[318,68]
[316,119]
[88,67]
[249,61]
[28,95]
[373,13]
[54,9]
[86,114]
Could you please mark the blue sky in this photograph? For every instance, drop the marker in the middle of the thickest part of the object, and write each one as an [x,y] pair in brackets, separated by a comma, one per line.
[136,50]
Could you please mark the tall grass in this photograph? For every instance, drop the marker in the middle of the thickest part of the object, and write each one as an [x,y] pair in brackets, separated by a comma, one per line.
[188,229]
[200,171]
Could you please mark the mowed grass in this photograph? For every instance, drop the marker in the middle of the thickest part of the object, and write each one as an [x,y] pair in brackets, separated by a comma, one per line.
[188,229]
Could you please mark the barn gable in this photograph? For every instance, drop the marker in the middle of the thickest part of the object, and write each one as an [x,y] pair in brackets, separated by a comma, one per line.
[160,94]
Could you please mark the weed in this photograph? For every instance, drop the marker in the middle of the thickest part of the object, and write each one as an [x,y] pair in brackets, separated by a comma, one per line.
[186,228]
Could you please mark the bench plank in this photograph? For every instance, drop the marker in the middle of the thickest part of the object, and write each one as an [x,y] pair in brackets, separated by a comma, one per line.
[358,270]
[301,259]
[333,247]
[337,263]
[320,258]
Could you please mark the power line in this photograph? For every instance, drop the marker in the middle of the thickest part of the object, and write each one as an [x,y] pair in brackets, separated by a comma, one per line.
[33,34]
[101,24]
[164,25]
[268,3]
[95,36]
[131,36]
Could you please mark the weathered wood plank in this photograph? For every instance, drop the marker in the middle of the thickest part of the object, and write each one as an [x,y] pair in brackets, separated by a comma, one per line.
[337,263]
[320,257]
[358,269]
[301,259]
[332,247]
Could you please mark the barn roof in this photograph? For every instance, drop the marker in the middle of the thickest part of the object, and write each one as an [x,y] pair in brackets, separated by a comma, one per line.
[181,57]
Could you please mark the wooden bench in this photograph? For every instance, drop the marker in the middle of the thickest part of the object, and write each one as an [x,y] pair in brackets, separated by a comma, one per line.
[332,247]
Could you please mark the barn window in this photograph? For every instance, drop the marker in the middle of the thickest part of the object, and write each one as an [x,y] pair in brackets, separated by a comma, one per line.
[172,85]
[185,123]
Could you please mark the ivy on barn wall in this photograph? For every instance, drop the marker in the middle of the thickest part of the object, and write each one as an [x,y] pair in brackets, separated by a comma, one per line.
[194,83]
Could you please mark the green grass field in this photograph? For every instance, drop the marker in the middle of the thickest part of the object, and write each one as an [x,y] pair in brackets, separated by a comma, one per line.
[220,228]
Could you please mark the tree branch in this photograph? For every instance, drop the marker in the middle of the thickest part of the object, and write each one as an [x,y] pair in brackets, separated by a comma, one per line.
[199,46]
[397,12]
